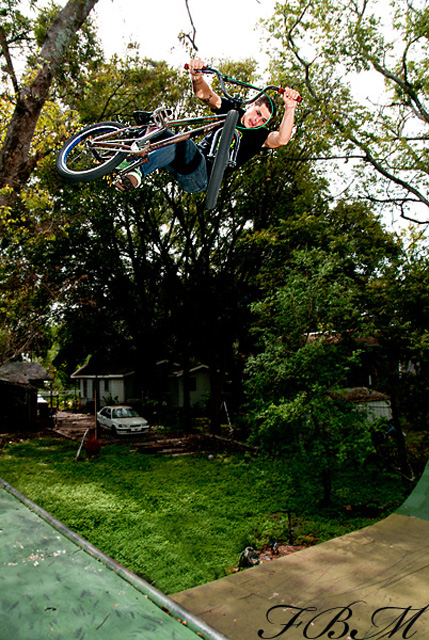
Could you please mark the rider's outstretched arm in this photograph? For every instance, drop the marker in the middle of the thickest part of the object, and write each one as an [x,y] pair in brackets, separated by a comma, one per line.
[201,88]
[282,136]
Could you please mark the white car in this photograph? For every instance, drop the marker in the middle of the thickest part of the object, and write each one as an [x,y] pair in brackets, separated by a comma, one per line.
[120,419]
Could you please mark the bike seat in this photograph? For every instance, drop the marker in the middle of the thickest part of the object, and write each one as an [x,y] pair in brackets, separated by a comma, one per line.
[142,117]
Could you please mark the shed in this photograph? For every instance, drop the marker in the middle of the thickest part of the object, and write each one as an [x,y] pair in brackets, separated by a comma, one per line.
[374,403]
[19,385]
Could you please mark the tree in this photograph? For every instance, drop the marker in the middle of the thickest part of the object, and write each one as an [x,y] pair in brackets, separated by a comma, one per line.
[56,54]
[305,358]
[380,129]
[34,225]
[398,316]
[334,279]
[17,160]
[24,308]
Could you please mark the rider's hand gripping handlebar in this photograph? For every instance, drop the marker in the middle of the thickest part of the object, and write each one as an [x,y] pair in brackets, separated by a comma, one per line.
[281,91]
[198,70]
[207,69]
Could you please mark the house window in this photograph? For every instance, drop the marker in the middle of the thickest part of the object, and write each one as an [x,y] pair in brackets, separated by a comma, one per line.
[106,385]
[192,383]
[84,388]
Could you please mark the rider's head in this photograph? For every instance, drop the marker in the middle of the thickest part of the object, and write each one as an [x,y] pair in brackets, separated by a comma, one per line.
[259,112]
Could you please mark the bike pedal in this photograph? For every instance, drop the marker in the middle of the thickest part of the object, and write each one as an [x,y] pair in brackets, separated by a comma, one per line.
[124,182]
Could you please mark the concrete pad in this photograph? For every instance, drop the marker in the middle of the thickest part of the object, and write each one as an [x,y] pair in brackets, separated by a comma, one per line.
[370,584]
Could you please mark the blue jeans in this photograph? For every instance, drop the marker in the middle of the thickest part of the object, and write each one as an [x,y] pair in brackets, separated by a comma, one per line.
[164,158]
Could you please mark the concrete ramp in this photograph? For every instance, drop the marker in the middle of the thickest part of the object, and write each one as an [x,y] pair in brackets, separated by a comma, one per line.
[370,584]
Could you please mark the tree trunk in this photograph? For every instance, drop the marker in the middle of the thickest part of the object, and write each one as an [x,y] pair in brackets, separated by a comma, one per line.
[326,478]
[16,164]
[397,432]
[186,416]
[216,391]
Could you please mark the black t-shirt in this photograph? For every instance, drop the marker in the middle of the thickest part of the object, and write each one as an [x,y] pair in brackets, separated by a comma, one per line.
[251,140]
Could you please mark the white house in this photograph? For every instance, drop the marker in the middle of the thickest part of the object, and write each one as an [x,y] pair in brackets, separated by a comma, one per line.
[199,386]
[116,383]
[105,382]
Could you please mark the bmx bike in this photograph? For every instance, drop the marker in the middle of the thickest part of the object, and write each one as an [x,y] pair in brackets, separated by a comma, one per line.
[100,148]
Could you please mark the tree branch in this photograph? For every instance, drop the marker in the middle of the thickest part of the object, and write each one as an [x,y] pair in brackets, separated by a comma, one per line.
[15,162]
[9,64]
[194,31]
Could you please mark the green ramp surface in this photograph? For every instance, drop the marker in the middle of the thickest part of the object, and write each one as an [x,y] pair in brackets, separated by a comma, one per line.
[371,584]
[56,585]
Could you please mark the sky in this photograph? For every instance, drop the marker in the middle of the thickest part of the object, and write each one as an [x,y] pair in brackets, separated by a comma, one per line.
[224,28]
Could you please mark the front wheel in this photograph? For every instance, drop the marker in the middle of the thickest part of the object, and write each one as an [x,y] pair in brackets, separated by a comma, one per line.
[221,159]
[91,153]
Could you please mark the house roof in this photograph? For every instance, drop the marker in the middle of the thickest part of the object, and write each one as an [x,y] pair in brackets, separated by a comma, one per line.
[199,367]
[335,337]
[359,394]
[102,368]
[23,372]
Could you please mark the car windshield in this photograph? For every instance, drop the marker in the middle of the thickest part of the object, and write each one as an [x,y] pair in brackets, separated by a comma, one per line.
[124,412]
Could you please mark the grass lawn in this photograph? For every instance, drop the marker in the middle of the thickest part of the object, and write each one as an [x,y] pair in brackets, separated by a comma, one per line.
[183,521]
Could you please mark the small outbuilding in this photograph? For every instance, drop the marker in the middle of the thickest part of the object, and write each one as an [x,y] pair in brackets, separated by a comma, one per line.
[20,383]
[374,403]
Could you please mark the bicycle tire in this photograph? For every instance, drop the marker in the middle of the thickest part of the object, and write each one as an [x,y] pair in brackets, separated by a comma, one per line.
[221,159]
[77,163]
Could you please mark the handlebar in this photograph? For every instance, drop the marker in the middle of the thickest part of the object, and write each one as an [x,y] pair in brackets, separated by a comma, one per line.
[223,79]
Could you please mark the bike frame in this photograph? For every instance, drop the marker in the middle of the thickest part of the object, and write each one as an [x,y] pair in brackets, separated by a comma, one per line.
[138,142]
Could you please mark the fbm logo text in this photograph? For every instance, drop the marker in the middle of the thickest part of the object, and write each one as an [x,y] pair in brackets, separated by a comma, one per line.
[337,623]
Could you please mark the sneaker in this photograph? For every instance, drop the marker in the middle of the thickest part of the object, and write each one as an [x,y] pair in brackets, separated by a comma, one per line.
[128,181]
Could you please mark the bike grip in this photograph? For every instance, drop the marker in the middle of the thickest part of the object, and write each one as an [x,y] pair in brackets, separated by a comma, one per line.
[282,90]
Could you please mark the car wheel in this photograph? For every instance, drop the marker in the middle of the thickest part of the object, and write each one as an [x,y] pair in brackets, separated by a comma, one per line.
[113,430]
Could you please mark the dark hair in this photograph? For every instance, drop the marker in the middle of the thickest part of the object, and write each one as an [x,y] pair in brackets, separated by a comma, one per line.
[270,104]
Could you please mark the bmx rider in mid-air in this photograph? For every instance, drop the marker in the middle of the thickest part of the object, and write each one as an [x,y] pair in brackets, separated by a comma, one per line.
[187,161]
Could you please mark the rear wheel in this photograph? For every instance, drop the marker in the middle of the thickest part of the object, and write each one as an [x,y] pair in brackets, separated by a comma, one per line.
[221,159]
[82,157]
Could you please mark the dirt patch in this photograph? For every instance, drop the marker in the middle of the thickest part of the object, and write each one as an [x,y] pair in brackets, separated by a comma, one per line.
[266,555]
[73,426]
[155,441]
